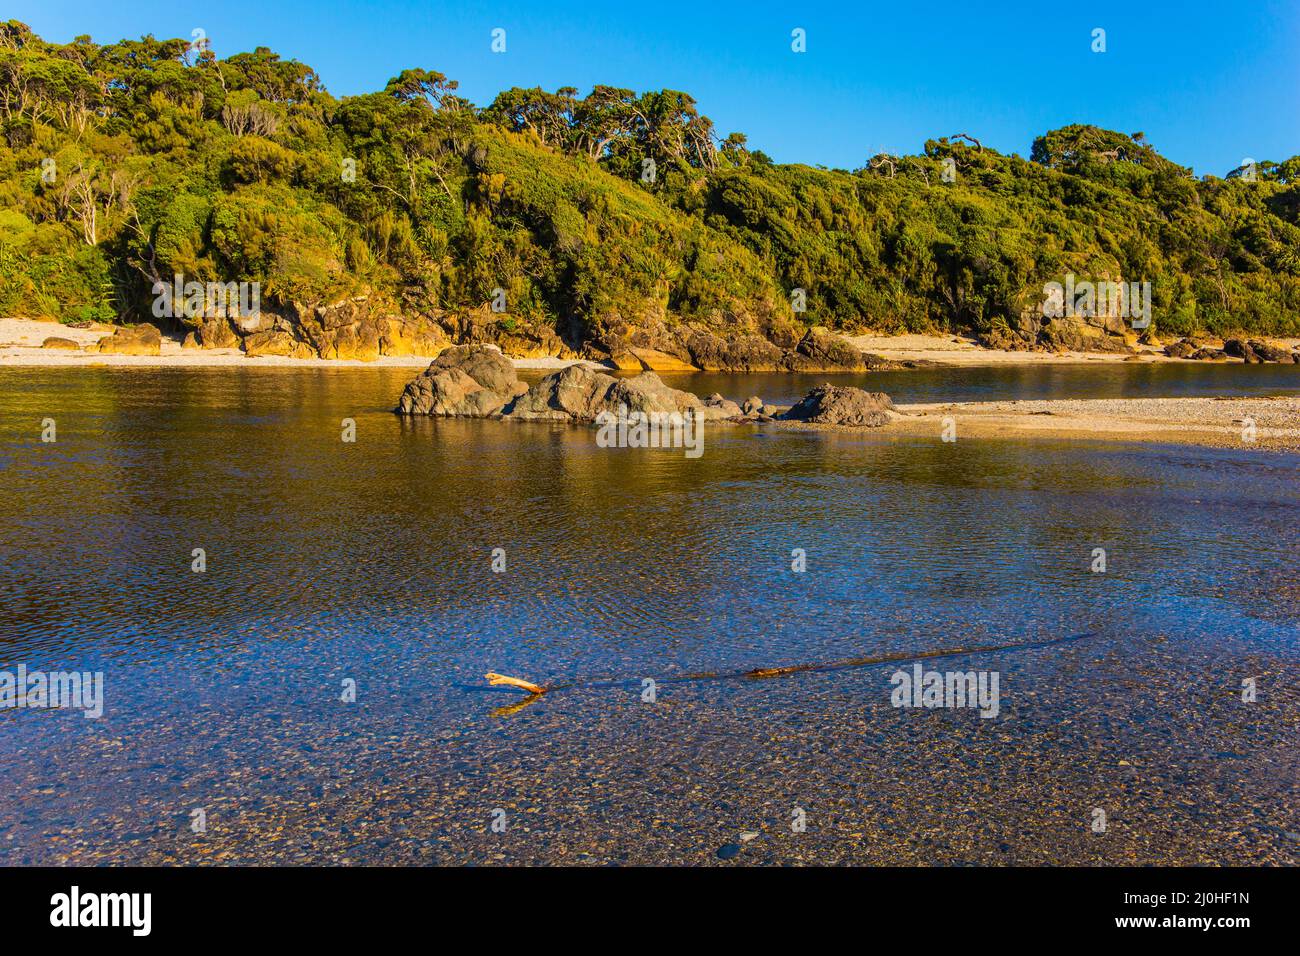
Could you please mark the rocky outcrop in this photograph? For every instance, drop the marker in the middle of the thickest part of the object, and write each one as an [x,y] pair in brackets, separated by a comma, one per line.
[467,381]
[1091,334]
[142,339]
[367,326]
[723,407]
[1254,351]
[765,344]
[747,353]
[1032,330]
[823,351]
[578,393]
[56,342]
[834,405]
[1250,351]
[485,364]
[477,381]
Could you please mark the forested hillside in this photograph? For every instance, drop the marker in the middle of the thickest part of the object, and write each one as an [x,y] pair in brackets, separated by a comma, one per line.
[600,218]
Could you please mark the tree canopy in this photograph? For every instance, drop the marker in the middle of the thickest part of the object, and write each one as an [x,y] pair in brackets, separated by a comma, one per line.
[124,164]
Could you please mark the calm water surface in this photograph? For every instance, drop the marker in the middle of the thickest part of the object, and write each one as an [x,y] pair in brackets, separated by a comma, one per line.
[371,562]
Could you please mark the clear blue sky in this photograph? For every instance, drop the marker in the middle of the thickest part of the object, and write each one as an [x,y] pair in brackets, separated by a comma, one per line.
[1209,83]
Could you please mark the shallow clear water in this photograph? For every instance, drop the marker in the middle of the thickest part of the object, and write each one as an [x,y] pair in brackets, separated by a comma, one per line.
[371,561]
[987,384]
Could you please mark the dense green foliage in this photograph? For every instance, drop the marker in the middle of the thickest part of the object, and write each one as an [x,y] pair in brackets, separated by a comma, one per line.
[125,164]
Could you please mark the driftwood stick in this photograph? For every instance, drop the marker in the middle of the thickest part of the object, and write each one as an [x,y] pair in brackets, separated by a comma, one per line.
[497,680]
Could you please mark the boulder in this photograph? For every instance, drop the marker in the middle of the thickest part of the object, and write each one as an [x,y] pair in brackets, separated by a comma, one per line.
[1019,333]
[450,392]
[1239,348]
[484,364]
[647,393]
[1267,352]
[579,394]
[478,381]
[784,333]
[1209,355]
[715,406]
[472,381]
[574,393]
[55,342]
[1183,348]
[142,339]
[834,405]
[191,341]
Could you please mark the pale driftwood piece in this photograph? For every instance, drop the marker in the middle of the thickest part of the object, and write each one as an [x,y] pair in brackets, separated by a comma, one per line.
[499,679]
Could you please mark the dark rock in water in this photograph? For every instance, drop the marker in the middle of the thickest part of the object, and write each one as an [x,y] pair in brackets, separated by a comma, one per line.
[1183,348]
[450,392]
[647,393]
[728,851]
[579,394]
[575,393]
[485,365]
[722,407]
[469,381]
[477,381]
[833,405]
[1209,355]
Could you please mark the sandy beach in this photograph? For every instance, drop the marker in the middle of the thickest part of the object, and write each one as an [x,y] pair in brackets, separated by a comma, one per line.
[21,340]
[963,351]
[1218,422]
